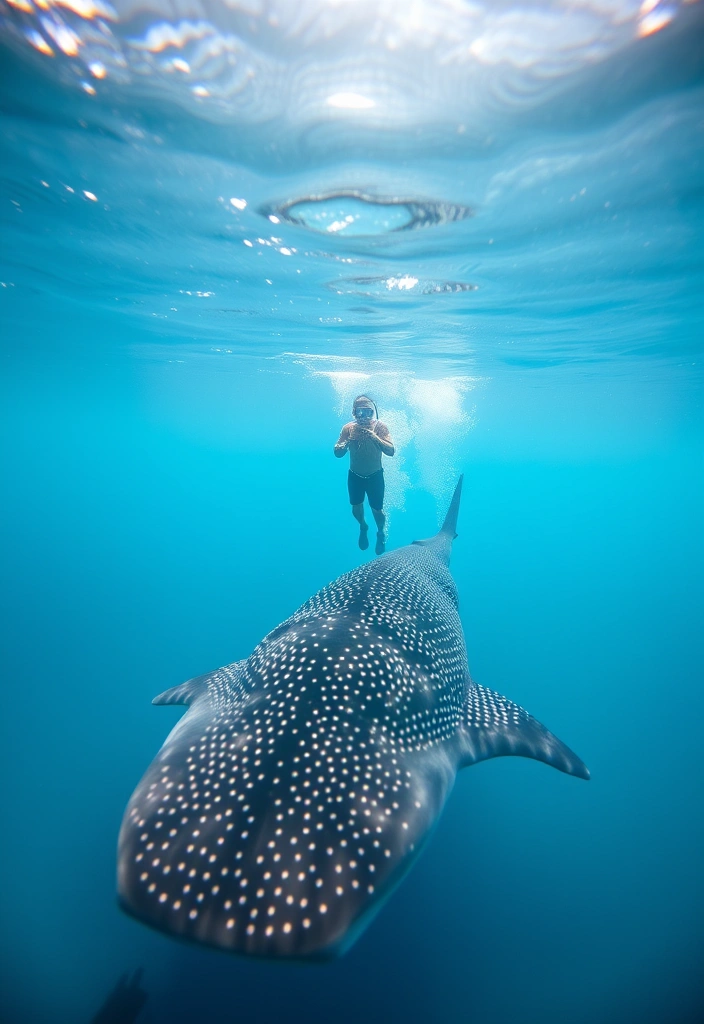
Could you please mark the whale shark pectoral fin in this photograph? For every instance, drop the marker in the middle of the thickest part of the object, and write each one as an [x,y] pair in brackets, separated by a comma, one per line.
[190,691]
[184,693]
[494,726]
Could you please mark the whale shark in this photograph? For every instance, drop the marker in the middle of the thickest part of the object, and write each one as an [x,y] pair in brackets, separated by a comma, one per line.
[302,782]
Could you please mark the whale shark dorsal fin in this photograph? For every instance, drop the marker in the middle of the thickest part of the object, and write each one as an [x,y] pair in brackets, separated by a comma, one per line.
[494,726]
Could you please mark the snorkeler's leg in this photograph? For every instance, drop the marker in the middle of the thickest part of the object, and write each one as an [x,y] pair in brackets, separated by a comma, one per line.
[380,520]
[355,488]
[375,491]
[358,513]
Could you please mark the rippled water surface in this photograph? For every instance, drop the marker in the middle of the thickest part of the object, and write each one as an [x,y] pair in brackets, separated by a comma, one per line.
[220,221]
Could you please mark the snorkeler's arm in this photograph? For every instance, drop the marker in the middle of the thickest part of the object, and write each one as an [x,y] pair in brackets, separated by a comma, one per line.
[383,438]
[343,442]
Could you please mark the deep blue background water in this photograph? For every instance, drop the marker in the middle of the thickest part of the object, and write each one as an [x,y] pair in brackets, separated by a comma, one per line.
[171,495]
[143,547]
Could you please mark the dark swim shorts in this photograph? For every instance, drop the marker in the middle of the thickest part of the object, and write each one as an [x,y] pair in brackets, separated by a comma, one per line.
[372,485]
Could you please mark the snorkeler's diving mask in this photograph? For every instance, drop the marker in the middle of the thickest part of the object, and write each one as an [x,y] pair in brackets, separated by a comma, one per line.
[364,413]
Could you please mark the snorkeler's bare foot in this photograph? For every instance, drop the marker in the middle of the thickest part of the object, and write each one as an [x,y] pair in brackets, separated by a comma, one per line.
[380,543]
[363,536]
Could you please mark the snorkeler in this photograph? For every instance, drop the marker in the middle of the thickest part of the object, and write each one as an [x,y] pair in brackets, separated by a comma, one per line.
[366,439]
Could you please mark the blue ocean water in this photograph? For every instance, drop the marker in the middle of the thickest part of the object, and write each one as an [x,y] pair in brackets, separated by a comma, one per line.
[221,222]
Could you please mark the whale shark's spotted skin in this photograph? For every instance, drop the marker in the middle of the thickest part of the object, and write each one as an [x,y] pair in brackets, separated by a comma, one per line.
[302,782]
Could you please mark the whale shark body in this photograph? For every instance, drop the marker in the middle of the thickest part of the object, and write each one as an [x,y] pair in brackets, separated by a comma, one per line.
[302,782]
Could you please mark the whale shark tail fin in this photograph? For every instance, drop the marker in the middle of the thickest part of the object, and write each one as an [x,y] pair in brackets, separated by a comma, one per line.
[441,543]
[494,726]
[449,526]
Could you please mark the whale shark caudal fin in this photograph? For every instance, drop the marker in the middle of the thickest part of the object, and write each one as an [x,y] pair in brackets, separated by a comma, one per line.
[494,726]
[441,543]
[449,526]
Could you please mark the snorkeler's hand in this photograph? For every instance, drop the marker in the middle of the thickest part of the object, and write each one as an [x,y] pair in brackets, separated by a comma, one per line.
[362,433]
[379,441]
